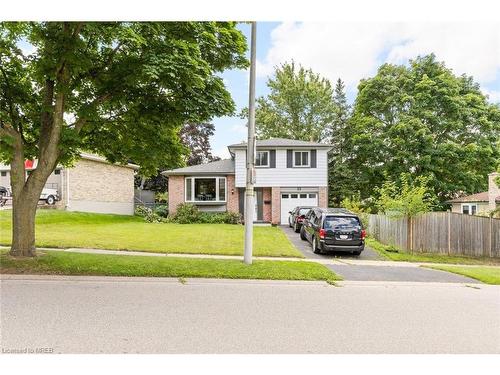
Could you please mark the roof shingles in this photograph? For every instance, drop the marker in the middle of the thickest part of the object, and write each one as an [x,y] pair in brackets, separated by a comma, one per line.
[225,166]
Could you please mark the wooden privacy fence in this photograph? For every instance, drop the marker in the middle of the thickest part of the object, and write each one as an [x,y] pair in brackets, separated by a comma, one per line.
[439,232]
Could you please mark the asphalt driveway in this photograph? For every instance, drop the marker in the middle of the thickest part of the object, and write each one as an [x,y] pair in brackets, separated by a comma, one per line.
[305,248]
[379,272]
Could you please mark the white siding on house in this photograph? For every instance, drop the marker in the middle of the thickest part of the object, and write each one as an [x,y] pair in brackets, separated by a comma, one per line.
[281,175]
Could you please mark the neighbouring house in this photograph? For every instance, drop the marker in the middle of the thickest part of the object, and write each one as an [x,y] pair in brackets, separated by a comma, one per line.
[289,173]
[478,203]
[91,185]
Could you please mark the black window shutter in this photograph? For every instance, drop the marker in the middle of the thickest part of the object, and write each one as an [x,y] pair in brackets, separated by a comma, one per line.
[313,158]
[289,158]
[272,157]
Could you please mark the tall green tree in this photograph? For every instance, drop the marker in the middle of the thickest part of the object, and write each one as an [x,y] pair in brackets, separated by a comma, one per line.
[423,120]
[338,136]
[120,89]
[299,106]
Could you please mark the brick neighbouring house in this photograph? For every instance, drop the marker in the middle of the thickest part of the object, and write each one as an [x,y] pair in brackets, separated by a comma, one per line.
[289,173]
[91,185]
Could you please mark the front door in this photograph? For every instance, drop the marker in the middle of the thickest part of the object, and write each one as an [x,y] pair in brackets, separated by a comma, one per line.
[258,205]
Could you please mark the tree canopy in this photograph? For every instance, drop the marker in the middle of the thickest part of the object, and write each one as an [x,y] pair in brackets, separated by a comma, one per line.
[299,105]
[128,87]
[423,120]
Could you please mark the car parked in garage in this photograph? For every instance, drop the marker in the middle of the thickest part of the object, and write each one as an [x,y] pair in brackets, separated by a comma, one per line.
[297,216]
[333,229]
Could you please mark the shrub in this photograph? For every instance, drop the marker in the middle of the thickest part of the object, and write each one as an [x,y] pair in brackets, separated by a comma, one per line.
[161,211]
[188,213]
[149,215]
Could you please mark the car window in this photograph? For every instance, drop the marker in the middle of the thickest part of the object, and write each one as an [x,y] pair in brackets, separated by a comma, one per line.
[317,219]
[303,211]
[340,222]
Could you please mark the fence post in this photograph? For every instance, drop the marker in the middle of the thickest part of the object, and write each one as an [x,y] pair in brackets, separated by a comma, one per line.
[491,236]
[449,232]
[410,224]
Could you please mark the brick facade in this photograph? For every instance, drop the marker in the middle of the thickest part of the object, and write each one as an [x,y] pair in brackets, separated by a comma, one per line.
[276,205]
[96,181]
[267,208]
[323,196]
[232,195]
[175,192]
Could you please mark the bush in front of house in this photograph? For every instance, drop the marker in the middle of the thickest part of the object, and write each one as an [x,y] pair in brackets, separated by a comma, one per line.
[188,213]
[161,211]
[149,215]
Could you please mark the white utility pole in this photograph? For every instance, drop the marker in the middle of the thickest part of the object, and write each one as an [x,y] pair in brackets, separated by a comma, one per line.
[249,191]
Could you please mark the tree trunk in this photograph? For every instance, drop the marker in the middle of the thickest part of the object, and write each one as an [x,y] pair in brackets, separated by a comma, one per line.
[23,225]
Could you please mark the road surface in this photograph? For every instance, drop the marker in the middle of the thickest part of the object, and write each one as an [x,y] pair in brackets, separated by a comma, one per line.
[144,315]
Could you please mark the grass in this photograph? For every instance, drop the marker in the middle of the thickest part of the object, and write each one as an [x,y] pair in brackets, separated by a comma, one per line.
[391,253]
[488,275]
[63,229]
[61,263]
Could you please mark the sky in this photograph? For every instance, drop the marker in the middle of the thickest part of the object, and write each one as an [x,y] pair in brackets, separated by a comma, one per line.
[352,51]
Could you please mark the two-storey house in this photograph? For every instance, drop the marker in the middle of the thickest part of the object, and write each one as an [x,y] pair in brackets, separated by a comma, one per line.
[289,173]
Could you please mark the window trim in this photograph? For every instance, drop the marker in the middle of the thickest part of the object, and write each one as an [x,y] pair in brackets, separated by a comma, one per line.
[217,197]
[268,159]
[295,159]
[469,206]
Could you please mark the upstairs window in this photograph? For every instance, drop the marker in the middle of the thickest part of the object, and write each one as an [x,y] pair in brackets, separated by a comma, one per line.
[301,159]
[262,159]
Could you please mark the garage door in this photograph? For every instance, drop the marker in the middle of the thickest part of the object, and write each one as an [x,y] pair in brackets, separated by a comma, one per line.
[291,200]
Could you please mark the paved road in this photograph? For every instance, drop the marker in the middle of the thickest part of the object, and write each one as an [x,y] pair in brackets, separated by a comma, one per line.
[356,272]
[120,315]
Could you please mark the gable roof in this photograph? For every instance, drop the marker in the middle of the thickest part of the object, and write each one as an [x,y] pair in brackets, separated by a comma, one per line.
[225,166]
[478,197]
[281,142]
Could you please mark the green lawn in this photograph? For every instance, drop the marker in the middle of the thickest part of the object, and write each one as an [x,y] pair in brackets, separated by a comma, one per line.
[63,229]
[488,275]
[390,253]
[60,263]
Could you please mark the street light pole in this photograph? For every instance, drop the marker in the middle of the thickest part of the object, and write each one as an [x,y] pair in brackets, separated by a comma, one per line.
[249,191]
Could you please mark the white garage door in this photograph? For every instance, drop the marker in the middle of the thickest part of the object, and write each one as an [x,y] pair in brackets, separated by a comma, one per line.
[291,200]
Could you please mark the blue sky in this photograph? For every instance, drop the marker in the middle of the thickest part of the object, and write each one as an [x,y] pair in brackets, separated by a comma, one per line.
[352,51]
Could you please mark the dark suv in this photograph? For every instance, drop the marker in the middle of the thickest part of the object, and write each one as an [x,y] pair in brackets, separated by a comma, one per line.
[333,229]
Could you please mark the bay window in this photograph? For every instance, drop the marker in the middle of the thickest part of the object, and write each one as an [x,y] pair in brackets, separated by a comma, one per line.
[205,189]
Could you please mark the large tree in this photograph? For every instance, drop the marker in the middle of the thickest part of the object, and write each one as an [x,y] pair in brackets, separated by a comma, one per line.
[299,105]
[120,89]
[423,120]
[338,136]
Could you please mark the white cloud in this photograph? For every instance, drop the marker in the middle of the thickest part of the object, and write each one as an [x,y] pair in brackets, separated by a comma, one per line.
[494,95]
[353,51]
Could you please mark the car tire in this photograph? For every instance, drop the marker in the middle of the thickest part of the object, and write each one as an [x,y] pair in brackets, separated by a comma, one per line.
[50,200]
[289,223]
[296,227]
[302,235]
[314,245]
